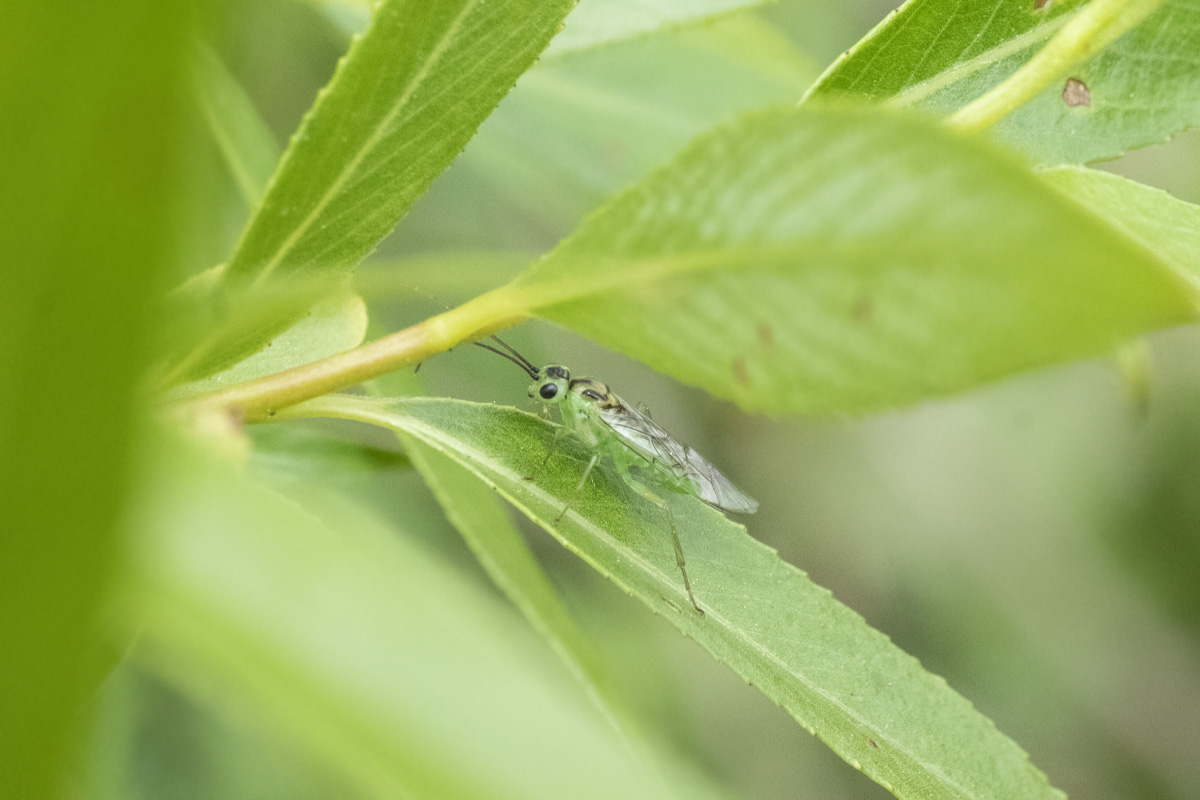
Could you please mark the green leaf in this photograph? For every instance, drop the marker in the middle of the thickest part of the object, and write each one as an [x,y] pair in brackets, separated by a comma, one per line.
[211,330]
[841,679]
[591,24]
[364,646]
[476,513]
[404,101]
[597,22]
[844,261]
[330,327]
[286,453]
[1164,225]
[577,129]
[245,141]
[352,16]
[92,100]
[440,276]
[938,55]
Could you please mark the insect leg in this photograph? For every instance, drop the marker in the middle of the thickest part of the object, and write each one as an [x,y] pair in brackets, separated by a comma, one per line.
[646,492]
[579,486]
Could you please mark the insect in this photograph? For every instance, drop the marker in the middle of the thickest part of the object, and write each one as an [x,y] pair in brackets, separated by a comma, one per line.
[646,456]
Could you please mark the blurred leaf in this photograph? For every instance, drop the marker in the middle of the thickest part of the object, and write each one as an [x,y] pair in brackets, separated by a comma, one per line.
[214,329]
[151,742]
[591,23]
[201,285]
[90,149]
[245,141]
[476,512]
[1165,225]
[294,452]
[218,329]
[328,328]
[939,55]
[577,129]
[844,261]
[1153,532]
[1136,364]
[841,679]
[403,102]
[352,16]
[597,22]
[363,645]
[442,277]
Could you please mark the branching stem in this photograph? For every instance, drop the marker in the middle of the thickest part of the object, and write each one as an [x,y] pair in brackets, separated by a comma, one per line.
[258,400]
[1099,24]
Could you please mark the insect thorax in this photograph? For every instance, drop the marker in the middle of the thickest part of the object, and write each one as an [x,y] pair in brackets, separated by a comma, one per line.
[595,393]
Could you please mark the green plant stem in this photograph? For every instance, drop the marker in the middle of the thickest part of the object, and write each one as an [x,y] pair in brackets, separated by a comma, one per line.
[1098,25]
[258,400]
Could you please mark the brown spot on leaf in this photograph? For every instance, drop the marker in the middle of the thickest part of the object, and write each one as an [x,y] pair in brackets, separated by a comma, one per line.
[739,372]
[872,743]
[1075,93]
[863,308]
[766,335]
[1040,4]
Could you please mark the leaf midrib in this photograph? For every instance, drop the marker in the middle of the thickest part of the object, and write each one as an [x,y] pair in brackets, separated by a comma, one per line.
[350,408]
[642,271]
[377,135]
[915,93]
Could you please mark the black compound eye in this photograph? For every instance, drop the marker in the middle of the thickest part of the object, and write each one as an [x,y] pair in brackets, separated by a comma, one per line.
[548,391]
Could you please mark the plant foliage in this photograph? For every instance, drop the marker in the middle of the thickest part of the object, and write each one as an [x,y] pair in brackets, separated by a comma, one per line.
[825,246]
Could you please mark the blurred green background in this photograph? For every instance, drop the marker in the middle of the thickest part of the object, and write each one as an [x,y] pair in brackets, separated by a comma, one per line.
[1036,542]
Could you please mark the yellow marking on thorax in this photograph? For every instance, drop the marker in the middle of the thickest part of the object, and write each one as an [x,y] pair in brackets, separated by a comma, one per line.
[595,392]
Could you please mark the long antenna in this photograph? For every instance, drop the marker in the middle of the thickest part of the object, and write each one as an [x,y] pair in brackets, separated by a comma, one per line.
[528,364]
[518,359]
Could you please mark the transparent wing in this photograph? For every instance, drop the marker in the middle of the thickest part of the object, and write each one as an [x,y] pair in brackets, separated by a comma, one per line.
[648,437]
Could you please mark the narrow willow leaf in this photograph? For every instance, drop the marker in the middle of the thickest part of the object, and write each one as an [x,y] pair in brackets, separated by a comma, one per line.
[477,514]
[291,453]
[403,102]
[215,330]
[869,701]
[1165,225]
[939,55]
[575,130]
[245,141]
[90,150]
[848,260]
[364,646]
[330,327]
[597,22]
